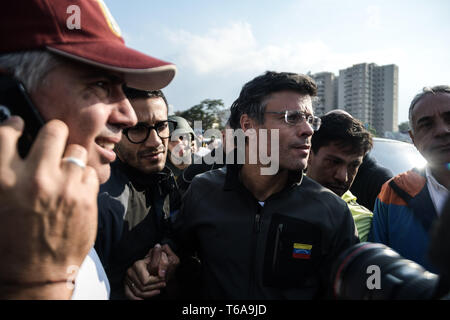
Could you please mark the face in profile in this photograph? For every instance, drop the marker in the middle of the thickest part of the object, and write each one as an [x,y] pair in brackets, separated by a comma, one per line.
[294,139]
[92,104]
[148,156]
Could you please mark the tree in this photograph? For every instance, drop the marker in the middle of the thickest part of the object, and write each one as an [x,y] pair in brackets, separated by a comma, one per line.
[403,127]
[373,131]
[209,111]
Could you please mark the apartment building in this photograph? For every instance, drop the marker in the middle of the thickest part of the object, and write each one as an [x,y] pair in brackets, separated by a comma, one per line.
[367,91]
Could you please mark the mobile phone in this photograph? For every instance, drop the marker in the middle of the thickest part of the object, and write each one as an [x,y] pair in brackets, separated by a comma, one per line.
[14,100]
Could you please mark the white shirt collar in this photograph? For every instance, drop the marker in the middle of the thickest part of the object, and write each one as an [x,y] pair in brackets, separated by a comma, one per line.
[438,192]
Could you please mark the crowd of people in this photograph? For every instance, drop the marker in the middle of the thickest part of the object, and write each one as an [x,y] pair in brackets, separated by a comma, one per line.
[116,200]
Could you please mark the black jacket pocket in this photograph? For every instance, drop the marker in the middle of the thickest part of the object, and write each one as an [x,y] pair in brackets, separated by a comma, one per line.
[293,253]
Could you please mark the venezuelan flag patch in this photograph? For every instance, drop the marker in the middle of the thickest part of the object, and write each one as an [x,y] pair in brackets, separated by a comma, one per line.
[301,251]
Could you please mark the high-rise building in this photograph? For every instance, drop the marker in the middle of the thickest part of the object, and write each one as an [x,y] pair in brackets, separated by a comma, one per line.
[367,91]
[370,93]
[327,86]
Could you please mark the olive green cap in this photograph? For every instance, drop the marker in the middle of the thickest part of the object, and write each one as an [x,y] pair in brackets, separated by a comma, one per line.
[182,125]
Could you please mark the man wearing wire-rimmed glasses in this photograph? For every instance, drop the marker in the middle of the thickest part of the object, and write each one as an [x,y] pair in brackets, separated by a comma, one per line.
[259,235]
[135,204]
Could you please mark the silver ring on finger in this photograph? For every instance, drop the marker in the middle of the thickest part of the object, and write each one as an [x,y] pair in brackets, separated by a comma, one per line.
[75,161]
[131,283]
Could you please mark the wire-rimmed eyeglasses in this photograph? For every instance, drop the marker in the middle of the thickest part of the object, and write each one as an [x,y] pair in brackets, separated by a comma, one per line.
[293,117]
[140,132]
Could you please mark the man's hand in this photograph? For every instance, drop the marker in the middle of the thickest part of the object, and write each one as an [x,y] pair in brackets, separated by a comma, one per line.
[48,212]
[147,277]
[163,262]
[139,284]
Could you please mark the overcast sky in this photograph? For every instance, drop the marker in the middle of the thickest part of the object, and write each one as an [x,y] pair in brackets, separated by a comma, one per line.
[220,45]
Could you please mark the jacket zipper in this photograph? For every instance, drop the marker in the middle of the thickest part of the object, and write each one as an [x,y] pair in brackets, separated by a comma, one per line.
[253,254]
[258,222]
[275,250]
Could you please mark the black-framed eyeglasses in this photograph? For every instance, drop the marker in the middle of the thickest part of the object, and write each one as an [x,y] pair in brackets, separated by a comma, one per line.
[140,132]
[293,117]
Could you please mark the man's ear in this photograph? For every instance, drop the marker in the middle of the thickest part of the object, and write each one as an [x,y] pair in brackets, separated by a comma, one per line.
[246,122]
[411,135]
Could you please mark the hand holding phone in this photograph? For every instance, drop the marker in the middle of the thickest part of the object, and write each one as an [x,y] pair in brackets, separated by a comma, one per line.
[48,212]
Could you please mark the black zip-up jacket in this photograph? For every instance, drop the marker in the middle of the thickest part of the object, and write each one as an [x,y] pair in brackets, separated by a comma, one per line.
[283,249]
[134,210]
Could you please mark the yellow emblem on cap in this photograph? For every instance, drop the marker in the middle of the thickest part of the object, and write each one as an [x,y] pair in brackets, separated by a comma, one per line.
[110,19]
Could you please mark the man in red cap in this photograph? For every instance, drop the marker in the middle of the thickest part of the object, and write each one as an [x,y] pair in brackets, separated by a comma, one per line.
[73,63]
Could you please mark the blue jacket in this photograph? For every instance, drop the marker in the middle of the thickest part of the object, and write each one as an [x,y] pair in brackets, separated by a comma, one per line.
[403,216]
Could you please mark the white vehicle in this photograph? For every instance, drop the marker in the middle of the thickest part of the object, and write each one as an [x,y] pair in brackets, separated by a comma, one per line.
[396,155]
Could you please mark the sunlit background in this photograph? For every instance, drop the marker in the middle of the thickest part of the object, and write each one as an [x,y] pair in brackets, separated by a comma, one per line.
[220,45]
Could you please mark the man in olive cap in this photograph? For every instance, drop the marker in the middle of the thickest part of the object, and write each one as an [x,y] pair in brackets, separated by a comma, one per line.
[179,156]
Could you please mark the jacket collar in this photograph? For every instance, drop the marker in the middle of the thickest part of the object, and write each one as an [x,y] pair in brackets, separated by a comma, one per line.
[348,197]
[140,179]
[232,178]
[412,187]
[174,169]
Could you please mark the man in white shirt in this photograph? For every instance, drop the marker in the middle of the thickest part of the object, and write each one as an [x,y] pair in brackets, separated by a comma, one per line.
[438,192]
[74,76]
[91,282]
[429,118]
[409,203]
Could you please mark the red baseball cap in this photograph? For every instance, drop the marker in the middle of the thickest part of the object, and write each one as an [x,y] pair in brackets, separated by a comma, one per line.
[83,30]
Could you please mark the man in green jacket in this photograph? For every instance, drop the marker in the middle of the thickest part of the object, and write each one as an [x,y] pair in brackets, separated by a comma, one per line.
[337,151]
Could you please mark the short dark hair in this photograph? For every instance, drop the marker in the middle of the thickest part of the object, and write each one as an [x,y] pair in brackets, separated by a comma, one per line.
[132,93]
[254,94]
[425,91]
[346,131]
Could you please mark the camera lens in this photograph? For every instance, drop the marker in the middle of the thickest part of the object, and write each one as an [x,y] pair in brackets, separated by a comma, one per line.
[5,114]
[373,271]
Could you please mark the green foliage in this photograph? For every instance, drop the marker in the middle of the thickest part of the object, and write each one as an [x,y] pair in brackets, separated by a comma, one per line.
[403,127]
[373,131]
[209,111]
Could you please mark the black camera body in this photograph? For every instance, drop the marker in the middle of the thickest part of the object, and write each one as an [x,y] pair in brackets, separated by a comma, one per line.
[373,271]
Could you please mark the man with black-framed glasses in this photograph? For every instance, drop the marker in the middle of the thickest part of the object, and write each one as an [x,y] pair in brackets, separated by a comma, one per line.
[135,204]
